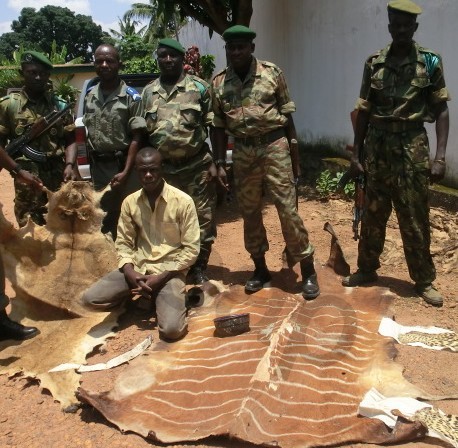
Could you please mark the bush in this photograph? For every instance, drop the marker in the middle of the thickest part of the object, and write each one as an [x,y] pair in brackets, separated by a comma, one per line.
[327,185]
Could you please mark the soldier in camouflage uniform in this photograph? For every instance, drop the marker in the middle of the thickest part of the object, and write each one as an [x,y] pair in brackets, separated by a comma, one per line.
[20,109]
[403,86]
[178,113]
[113,116]
[251,102]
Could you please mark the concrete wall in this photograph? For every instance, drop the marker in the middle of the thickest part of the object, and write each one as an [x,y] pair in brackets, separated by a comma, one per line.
[322,45]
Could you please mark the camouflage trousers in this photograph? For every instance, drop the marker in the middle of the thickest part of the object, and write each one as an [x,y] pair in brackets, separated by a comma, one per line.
[102,172]
[203,192]
[397,174]
[28,202]
[268,167]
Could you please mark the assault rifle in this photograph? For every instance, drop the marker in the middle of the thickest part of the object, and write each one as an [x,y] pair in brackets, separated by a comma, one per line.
[294,151]
[33,131]
[358,207]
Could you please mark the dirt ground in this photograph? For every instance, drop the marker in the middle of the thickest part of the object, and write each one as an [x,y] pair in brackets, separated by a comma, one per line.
[29,417]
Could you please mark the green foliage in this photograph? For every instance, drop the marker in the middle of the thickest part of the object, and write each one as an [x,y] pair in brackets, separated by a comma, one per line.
[133,47]
[63,88]
[141,65]
[217,15]
[9,78]
[37,30]
[160,23]
[327,185]
[61,83]
[207,64]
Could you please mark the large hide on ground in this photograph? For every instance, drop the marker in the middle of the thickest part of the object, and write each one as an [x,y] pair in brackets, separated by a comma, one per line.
[55,263]
[294,380]
[50,267]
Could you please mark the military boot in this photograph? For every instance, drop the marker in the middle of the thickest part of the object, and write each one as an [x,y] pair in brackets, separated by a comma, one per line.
[310,288]
[261,276]
[360,278]
[12,330]
[429,294]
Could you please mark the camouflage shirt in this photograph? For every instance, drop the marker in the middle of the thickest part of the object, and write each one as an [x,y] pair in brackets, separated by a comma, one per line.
[17,111]
[406,91]
[252,107]
[110,121]
[177,123]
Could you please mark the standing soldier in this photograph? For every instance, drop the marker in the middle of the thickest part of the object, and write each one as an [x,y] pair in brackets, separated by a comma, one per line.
[403,87]
[178,113]
[56,145]
[113,116]
[251,103]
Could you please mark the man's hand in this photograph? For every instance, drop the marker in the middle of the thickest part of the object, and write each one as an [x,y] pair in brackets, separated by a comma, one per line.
[437,171]
[222,178]
[355,168]
[118,179]
[71,173]
[29,179]
[148,285]
[212,172]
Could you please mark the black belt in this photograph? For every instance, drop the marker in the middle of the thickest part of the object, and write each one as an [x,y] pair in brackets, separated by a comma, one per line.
[262,139]
[396,126]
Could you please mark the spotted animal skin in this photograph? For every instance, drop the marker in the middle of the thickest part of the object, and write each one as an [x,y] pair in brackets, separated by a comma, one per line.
[438,421]
[446,340]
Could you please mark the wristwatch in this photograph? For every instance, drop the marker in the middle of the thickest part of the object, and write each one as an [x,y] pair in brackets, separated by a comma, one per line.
[220,162]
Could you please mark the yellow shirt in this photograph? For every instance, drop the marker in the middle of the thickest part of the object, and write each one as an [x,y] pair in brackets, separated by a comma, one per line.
[166,239]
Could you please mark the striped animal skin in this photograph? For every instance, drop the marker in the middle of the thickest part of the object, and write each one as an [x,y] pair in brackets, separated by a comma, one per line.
[294,380]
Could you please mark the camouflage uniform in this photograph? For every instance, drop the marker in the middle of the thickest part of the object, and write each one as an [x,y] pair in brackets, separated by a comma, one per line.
[17,111]
[254,112]
[177,126]
[109,122]
[396,155]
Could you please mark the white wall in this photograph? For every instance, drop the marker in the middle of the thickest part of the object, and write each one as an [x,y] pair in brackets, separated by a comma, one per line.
[321,45]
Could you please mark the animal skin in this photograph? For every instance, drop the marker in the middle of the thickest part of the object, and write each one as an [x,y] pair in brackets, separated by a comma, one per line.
[294,380]
[49,268]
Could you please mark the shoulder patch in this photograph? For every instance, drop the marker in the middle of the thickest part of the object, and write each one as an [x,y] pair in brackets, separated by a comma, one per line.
[200,84]
[133,93]
[431,60]
[60,103]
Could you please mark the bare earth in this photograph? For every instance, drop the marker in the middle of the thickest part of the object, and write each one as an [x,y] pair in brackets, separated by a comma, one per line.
[29,417]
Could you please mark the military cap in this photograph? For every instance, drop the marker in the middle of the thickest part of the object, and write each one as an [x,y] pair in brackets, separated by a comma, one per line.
[172,43]
[34,57]
[238,32]
[405,6]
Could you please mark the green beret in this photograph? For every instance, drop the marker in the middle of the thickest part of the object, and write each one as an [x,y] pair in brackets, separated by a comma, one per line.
[238,32]
[405,6]
[172,43]
[34,57]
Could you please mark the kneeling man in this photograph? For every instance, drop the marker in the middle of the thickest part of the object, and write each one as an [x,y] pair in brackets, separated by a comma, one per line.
[157,242]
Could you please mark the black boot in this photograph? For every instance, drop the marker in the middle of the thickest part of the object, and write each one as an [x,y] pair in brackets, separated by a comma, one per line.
[310,288]
[261,276]
[12,330]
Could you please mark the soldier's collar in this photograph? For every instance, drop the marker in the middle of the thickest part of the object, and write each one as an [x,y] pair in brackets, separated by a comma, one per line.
[253,71]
